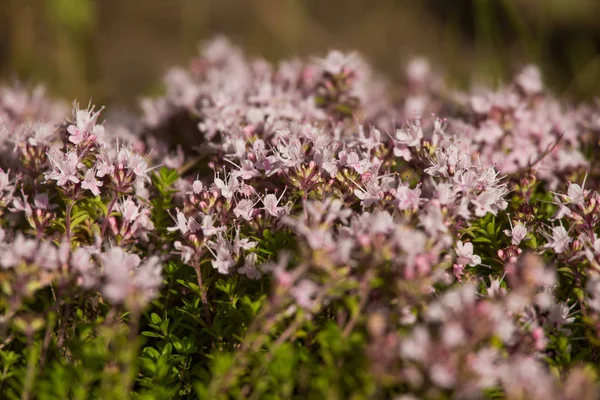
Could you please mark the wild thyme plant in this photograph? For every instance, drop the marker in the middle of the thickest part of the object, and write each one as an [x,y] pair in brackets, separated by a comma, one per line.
[295,231]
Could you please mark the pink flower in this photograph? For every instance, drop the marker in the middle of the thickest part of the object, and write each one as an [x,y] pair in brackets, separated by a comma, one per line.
[91,183]
[576,194]
[417,70]
[208,228]
[249,269]
[304,292]
[246,170]
[197,186]
[410,136]
[125,275]
[465,254]
[46,256]
[184,225]
[223,252]
[517,233]
[558,239]
[227,187]
[78,133]
[408,199]
[104,166]
[337,62]
[82,263]
[129,210]
[271,202]
[85,125]
[64,167]
[530,80]
[138,165]
[186,252]
[244,209]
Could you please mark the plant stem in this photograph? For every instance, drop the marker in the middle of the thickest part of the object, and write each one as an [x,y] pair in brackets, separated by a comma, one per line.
[364,295]
[132,351]
[70,205]
[62,330]
[51,319]
[30,375]
[108,211]
[203,296]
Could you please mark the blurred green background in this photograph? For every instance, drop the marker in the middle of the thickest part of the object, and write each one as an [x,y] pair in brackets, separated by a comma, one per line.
[113,51]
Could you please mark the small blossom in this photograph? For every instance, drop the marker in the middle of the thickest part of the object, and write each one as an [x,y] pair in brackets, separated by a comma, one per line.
[249,268]
[576,194]
[517,233]
[244,209]
[186,252]
[129,210]
[270,202]
[85,126]
[184,225]
[530,80]
[64,167]
[227,187]
[337,62]
[197,186]
[223,252]
[465,254]
[304,292]
[558,239]
[91,183]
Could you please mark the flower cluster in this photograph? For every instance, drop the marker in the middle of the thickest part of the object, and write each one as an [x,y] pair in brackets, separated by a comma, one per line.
[258,217]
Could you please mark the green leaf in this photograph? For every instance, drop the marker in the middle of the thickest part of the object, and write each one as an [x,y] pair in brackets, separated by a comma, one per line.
[490,229]
[167,350]
[155,318]
[78,218]
[164,326]
[152,334]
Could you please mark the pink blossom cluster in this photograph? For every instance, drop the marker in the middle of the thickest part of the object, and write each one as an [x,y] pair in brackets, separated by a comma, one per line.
[453,218]
[75,204]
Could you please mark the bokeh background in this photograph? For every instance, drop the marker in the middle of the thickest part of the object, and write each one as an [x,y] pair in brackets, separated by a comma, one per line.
[114,51]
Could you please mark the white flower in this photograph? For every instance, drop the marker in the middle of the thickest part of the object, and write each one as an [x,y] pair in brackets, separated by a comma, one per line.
[517,233]
[465,254]
[270,202]
[336,62]
[64,167]
[129,210]
[197,186]
[244,209]
[208,228]
[576,194]
[593,293]
[227,187]
[85,124]
[91,183]
[249,269]
[185,225]
[558,240]
[222,251]
[530,80]
[303,292]
[186,252]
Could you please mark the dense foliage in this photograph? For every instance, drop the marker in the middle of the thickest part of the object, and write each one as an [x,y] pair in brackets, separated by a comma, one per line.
[301,231]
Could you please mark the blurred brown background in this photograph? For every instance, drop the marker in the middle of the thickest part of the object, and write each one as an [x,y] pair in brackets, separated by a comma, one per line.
[116,50]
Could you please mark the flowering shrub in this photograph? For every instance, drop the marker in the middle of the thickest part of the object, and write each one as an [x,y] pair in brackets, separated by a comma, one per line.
[311,236]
